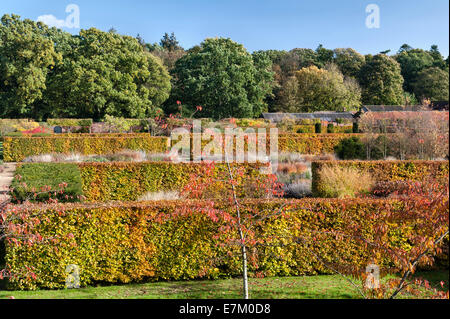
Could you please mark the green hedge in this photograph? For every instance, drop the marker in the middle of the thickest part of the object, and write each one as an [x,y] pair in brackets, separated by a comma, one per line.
[386,170]
[16,149]
[130,242]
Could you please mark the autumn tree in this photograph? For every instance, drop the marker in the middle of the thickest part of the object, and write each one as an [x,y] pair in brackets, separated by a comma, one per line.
[313,89]
[168,50]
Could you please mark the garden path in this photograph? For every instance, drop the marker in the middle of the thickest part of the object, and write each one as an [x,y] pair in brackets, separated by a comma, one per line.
[6,177]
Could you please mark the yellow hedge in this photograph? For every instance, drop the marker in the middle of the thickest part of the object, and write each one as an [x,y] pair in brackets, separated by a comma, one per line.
[128,181]
[16,149]
[386,170]
[314,144]
[130,242]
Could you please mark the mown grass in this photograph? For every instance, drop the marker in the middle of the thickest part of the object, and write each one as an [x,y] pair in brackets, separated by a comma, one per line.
[314,287]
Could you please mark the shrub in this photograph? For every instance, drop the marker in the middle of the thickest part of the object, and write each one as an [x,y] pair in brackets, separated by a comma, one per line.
[387,170]
[355,128]
[318,128]
[32,178]
[338,182]
[350,148]
[330,128]
[131,242]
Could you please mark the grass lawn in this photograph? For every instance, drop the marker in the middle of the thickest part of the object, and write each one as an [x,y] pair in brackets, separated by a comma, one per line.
[315,287]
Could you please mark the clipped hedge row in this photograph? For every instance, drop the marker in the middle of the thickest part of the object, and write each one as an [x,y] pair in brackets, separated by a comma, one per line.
[307,143]
[314,144]
[70,122]
[130,242]
[128,181]
[386,170]
[348,129]
[16,149]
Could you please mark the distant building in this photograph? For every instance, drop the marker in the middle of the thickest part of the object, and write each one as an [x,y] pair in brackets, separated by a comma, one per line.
[323,116]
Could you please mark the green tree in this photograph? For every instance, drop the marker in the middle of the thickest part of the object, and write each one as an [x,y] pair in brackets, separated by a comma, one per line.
[438,59]
[27,56]
[170,42]
[313,89]
[381,81]
[433,84]
[106,73]
[324,56]
[412,62]
[349,61]
[223,78]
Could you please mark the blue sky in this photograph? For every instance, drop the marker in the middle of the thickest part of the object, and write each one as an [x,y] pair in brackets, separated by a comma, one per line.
[261,24]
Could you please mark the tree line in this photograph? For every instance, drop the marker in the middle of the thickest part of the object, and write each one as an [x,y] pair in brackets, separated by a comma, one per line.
[46,72]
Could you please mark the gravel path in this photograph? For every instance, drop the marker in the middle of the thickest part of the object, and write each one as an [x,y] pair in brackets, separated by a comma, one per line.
[6,178]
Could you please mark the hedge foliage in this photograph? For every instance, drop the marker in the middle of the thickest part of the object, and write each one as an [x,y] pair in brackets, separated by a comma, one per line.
[33,177]
[314,144]
[128,181]
[130,242]
[70,122]
[383,171]
[16,149]
[311,129]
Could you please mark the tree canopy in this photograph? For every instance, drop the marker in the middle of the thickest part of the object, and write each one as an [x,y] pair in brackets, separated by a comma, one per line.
[432,84]
[312,89]
[223,78]
[27,56]
[47,72]
[381,81]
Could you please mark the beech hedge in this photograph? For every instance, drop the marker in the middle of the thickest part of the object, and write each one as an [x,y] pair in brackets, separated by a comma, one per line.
[133,242]
[386,171]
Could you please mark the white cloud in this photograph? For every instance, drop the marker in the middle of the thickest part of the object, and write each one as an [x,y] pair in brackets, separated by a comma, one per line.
[72,20]
[52,21]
